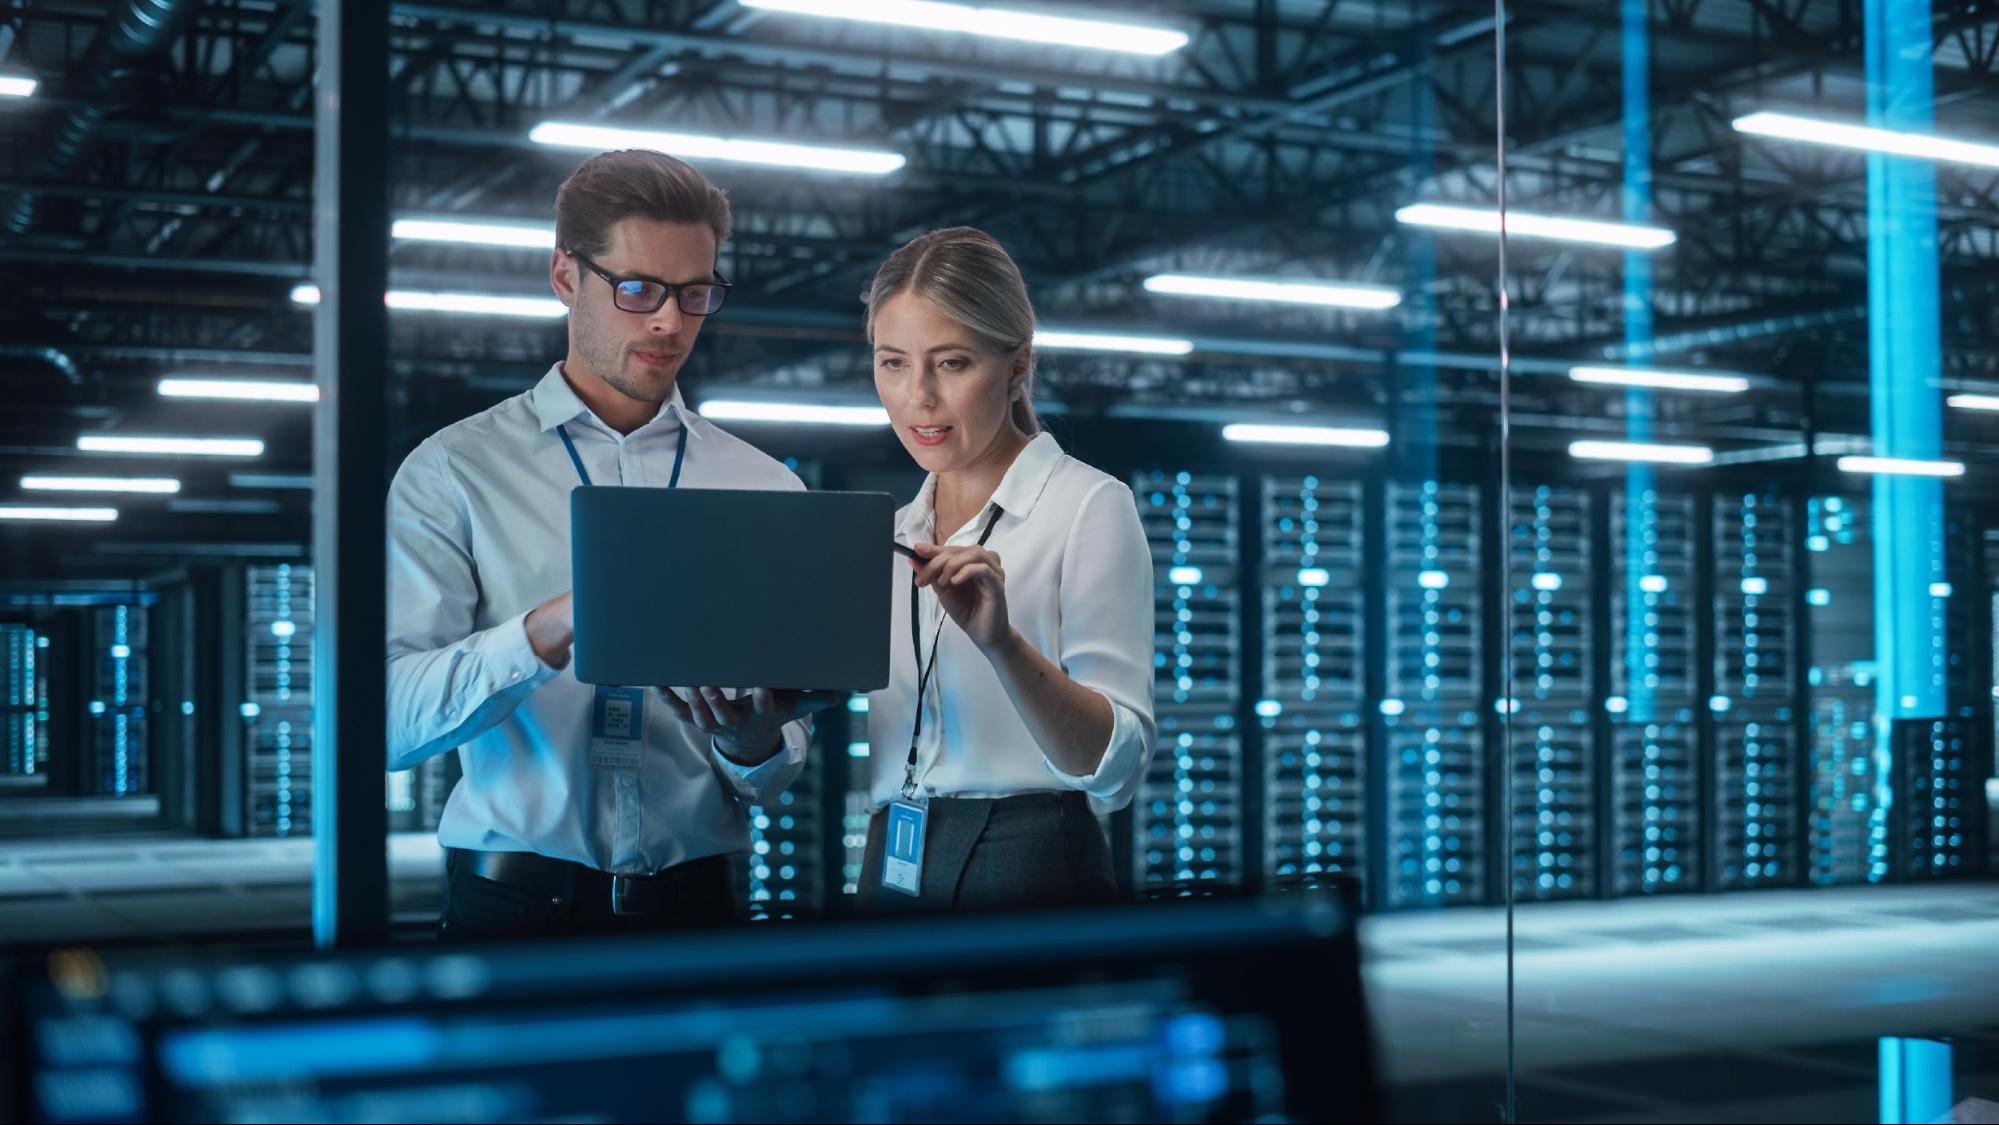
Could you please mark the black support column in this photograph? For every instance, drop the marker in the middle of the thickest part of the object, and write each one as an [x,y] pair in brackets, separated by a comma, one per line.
[350,885]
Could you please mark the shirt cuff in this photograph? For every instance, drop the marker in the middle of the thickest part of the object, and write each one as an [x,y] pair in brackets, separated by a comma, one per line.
[751,782]
[1127,742]
[510,656]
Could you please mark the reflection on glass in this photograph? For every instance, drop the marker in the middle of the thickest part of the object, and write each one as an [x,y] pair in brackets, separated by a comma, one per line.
[1748,528]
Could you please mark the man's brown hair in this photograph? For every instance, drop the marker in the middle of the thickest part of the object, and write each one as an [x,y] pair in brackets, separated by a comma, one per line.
[634,183]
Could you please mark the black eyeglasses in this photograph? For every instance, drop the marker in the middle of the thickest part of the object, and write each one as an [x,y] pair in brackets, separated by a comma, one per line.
[646,295]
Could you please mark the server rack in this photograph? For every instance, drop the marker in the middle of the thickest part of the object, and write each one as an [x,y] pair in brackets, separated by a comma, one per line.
[416,797]
[1757,787]
[1313,679]
[1847,837]
[849,741]
[1938,784]
[1435,785]
[24,706]
[1554,770]
[785,870]
[1655,772]
[1189,811]
[117,758]
[276,710]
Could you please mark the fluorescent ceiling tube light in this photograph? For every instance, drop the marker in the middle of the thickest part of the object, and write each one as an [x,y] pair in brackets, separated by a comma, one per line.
[524,235]
[1900,467]
[1304,435]
[1103,342]
[1526,224]
[240,390]
[57,515]
[993,23]
[1641,451]
[191,447]
[1974,402]
[476,304]
[1338,295]
[469,304]
[153,485]
[694,146]
[1663,380]
[1841,134]
[734,410]
[17,86]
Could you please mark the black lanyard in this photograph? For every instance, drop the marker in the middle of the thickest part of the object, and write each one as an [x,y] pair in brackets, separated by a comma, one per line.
[679,455]
[924,670]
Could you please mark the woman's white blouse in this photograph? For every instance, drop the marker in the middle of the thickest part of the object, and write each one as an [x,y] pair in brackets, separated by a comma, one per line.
[1078,588]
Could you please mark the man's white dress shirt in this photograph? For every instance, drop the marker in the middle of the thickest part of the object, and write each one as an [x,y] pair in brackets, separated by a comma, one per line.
[478,537]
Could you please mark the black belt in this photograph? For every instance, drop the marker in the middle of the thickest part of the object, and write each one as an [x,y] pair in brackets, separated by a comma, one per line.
[559,880]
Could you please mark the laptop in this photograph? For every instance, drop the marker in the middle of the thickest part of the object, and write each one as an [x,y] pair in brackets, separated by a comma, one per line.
[682,587]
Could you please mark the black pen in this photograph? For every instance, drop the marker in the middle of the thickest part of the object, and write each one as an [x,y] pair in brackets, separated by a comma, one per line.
[902,550]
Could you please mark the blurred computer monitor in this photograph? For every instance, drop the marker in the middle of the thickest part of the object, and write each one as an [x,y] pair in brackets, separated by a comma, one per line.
[1215,1010]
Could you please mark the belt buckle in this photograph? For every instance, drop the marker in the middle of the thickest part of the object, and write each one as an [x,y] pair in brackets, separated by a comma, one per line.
[621,896]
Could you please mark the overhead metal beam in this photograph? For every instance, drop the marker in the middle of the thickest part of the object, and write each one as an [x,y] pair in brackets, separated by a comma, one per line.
[982,71]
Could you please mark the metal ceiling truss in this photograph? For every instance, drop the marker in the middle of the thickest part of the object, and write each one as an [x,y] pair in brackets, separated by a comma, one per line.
[1281,139]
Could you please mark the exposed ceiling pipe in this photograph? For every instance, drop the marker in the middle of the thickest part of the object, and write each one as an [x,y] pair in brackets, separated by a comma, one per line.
[1676,342]
[132,36]
[54,357]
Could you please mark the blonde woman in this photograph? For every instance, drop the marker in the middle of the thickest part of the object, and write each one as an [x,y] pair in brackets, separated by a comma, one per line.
[1020,696]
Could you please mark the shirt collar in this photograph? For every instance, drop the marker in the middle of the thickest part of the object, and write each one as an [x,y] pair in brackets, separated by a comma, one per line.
[1016,495]
[554,402]
[1028,475]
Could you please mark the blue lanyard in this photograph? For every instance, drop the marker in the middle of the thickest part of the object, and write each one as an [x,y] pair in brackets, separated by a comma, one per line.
[679,455]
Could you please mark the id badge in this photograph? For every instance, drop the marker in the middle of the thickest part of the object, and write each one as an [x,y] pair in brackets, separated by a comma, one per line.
[617,727]
[902,855]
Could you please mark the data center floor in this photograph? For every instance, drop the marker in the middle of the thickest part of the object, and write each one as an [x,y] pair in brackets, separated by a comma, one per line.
[1763,1006]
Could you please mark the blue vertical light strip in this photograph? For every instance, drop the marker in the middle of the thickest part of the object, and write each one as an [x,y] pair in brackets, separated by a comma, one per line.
[1904,356]
[1915,1081]
[1640,484]
[1416,454]
[1416,381]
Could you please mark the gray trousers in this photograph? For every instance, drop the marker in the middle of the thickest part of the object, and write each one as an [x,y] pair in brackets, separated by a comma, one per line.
[1034,849]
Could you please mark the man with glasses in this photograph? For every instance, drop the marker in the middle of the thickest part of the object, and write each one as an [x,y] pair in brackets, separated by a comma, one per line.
[581,809]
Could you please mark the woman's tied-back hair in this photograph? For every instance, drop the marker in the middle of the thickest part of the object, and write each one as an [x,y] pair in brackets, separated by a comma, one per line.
[970,278]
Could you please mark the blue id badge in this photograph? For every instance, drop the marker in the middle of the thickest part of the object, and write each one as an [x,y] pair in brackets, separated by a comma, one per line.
[617,727]
[902,855]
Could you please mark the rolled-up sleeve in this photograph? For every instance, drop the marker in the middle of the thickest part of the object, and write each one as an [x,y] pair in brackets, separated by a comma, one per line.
[761,783]
[447,682]
[1107,636]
